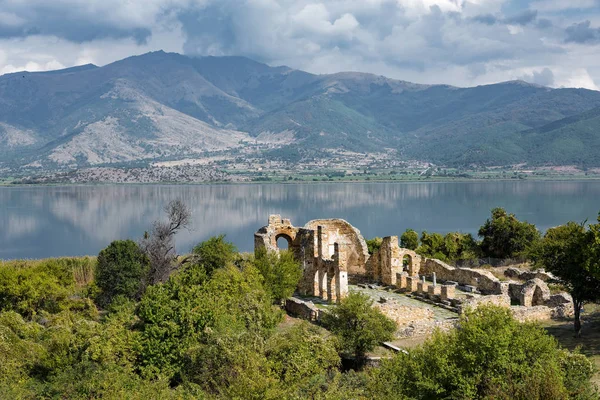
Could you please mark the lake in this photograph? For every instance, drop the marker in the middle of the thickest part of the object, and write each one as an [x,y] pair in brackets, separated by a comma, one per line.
[39,222]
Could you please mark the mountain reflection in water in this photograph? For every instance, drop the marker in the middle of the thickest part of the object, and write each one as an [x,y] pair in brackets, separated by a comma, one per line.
[80,220]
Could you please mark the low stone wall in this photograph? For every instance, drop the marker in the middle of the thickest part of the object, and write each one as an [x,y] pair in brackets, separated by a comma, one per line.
[524,275]
[405,315]
[425,328]
[501,300]
[532,314]
[485,281]
[302,309]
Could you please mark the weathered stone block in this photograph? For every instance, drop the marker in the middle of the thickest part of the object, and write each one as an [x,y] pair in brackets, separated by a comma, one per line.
[412,283]
[434,290]
[422,287]
[447,292]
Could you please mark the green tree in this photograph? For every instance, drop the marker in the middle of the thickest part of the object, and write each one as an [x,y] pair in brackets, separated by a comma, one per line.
[567,252]
[490,355]
[215,253]
[358,325]
[504,236]
[409,239]
[281,273]
[432,245]
[374,244]
[121,271]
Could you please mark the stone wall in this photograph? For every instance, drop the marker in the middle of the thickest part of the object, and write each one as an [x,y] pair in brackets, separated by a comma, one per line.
[483,280]
[391,260]
[425,328]
[501,300]
[353,251]
[302,309]
[328,250]
[405,315]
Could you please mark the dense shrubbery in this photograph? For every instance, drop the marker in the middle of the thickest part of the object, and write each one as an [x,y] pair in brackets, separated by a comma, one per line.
[213,330]
[490,356]
[503,237]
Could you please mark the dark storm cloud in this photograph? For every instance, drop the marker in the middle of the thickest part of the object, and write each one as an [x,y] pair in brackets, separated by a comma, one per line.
[582,33]
[68,21]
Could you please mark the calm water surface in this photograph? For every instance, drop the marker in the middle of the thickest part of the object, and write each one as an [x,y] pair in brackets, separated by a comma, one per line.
[80,220]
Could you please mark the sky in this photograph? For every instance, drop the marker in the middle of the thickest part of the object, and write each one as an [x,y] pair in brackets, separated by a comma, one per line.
[553,43]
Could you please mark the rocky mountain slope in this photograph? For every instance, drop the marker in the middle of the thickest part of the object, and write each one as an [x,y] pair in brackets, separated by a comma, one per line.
[162,106]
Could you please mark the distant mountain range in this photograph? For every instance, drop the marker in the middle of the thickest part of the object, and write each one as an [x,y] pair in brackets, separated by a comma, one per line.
[165,106]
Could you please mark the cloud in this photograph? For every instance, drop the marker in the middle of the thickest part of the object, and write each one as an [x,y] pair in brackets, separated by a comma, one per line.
[523,18]
[545,77]
[562,5]
[582,33]
[460,42]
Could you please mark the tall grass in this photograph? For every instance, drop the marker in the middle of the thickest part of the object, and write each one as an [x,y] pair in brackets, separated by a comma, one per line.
[78,271]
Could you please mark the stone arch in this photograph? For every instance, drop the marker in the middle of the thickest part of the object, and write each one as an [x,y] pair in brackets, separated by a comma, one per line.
[534,292]
[411,261]
[287,238]
[353,251]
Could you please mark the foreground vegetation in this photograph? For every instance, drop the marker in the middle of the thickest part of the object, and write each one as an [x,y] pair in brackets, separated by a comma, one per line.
[140,321]
[214,331]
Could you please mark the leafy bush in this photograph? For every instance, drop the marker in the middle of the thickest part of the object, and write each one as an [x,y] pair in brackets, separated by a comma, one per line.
[280,271]
[30,288]
[374,244]
[358,326]
[490,355]
[215,253]
[301,351]
[122,270]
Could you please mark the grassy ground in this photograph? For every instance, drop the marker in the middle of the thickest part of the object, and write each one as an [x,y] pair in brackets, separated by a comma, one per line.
[589,342]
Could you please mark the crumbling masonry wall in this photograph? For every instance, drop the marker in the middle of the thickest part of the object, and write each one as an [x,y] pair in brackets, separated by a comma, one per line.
[391,260]
[329,250]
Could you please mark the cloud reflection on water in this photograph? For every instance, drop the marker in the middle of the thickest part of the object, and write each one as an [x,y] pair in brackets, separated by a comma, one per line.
[55,221]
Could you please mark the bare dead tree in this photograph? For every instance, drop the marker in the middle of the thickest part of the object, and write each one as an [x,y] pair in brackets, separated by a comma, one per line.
[159,244]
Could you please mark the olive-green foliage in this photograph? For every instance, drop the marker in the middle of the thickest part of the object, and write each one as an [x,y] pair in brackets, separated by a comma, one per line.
[594,248]
[300,352]
[567,252]
[374,244]
[455,246]
[280,271]
[31,287]
[121,271]
[490,355]
[19,350]
[358,325]
[432,245]
[215,253]
[409,239]
[176,316]
[232,366]
[334,386]
[504,236]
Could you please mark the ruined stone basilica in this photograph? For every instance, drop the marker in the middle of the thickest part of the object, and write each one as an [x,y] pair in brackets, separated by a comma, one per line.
[331,250]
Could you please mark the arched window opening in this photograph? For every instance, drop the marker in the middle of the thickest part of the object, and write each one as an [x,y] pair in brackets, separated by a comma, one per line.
[283,242]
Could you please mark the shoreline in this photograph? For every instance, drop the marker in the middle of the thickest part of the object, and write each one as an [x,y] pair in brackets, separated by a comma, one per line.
[557,178]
